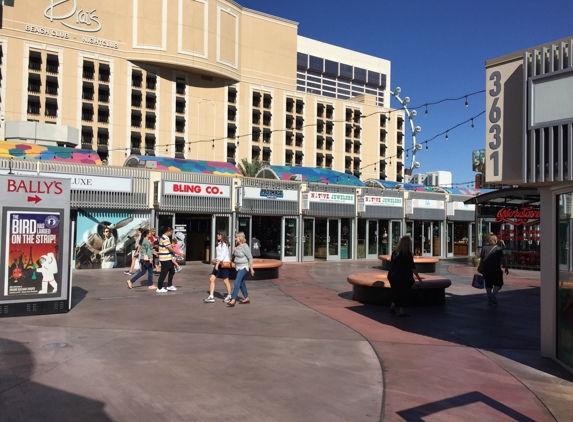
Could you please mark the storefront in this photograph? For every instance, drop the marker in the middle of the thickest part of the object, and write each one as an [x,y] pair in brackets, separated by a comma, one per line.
[195,197]
[425,218]
[514,216]
[268,213]
[380,222]
[460,226]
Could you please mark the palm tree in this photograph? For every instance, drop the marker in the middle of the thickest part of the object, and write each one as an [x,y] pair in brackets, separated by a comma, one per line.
[250,169]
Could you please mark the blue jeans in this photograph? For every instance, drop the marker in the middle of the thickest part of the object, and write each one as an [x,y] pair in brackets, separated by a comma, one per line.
[240,284]
[146,267]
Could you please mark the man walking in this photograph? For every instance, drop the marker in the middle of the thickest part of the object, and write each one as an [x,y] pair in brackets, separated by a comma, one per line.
[165,257]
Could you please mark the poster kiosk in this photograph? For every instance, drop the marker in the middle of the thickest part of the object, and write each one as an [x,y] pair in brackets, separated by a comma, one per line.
[35,274]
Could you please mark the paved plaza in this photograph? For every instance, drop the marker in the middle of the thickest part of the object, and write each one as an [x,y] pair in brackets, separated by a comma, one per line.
[303,350]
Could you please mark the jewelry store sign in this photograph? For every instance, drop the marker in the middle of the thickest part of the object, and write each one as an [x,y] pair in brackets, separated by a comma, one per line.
[380,201]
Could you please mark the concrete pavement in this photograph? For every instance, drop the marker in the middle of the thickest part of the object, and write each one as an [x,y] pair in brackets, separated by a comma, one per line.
[303,350]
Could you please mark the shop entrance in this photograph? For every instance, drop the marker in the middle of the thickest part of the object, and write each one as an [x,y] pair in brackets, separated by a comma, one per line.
[308,239]
[327,238]
[426,237]
[290,239]
[268,231]
[198,237]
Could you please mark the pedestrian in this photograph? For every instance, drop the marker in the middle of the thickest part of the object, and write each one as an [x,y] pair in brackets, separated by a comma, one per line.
[165,251]
[107,252]
[135,252]
[243,262]
[176,256]
[146,261]
[492,258]
[401,276]
[155,243]
[223,255]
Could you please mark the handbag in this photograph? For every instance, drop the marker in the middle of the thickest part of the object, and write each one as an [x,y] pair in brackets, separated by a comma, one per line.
[225,264]
[137,265]
[478,282]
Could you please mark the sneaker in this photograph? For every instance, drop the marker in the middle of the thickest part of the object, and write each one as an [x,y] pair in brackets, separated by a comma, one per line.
[227,299]
[127,273]
[163,290]
[172,288]
[209,299]
[177,269]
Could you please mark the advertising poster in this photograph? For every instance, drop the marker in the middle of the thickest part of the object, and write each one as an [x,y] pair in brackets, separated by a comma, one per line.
[107,239]
[32,259]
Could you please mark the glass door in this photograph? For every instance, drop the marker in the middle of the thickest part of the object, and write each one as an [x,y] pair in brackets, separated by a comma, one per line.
[372,239]
[436,239]
[244,225]
[307,239]
[290,239]
[333,239]
[395,234]
[450,239]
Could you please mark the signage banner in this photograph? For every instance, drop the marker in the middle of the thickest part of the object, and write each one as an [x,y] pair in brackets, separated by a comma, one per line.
[332,198]
[361,204]
[381,201]
[463,207]
[86,181]
[196,189]
[33,260]
[525,216]
[268,193]
[428,204]
[305,201]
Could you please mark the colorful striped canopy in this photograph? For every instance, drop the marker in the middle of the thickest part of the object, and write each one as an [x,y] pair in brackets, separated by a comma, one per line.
[29,151]
[310,175]
[181,164]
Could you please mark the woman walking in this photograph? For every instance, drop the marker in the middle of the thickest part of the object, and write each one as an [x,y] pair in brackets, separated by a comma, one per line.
[223,255]
[492,258]
[401,276]
[146,260]
[243,263]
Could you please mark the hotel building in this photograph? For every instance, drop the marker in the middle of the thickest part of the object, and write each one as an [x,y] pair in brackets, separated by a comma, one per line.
[195,79]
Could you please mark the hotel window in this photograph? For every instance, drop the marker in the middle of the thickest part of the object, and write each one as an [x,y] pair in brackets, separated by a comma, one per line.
[298,158]
[180,105]
[179,147]
[179,124]
[267,135]
[256,134]
[102,138]
[33,105]
[289,137]
[346,71]
[316,63]
[267,99]
[87,137]
[299,122]
[329,159]
[180,86]
[289,105]
[151,82]
[231,148]
[52,64]
[51,109]
[302,60]
[135,143]
[231,113]
[256,117]
[267,155]
[232,95]
[103,94]
[104,73]
[35,61]
[87,112]
[150,144]
[255,152]
[256,99]
[288,157]
[231,130]
[299,139]
[51,85]
[150,101]
[136,118]
[103,114]
[34,83]
[150,120]
[267,117]
[88,70]
[136,98]
[299,106]
[136,79]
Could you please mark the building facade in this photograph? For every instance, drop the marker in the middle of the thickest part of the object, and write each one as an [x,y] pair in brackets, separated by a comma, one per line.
[196,79]
[529,142]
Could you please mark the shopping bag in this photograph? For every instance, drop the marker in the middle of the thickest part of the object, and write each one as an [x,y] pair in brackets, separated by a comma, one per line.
[136,266]
[478,282]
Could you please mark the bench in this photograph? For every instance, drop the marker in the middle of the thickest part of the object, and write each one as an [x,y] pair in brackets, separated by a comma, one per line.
[265,269]
[374,288]
[424,264]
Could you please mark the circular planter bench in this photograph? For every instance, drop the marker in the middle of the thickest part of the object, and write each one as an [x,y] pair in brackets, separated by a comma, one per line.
[374,288]
[265,269]
[424,264]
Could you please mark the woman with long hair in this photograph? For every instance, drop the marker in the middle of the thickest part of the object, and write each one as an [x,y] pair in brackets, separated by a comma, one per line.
[401,276]
[146,260]
[492,258]
[243,263]
[223,255]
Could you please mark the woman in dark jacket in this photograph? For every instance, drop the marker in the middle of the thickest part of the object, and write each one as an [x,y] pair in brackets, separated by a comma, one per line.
[401,275]
[492,258]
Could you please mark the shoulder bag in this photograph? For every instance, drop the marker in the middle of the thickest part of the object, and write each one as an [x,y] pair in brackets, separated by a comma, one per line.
[479,268]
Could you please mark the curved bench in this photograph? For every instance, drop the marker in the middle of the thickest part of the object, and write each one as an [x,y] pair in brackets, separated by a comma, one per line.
[374,288]
[424,264]
[265,269]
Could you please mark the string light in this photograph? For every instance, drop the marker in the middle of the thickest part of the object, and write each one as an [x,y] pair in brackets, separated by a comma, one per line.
[473,127]
[447,137]
[426,112]
[467,105]
[465,96]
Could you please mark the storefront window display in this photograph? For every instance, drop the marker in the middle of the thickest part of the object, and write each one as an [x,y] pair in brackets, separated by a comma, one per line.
[565,282]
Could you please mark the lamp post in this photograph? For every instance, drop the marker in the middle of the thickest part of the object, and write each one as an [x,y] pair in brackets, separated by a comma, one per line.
[414,129]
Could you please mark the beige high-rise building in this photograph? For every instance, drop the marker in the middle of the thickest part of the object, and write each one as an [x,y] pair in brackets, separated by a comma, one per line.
[195,79]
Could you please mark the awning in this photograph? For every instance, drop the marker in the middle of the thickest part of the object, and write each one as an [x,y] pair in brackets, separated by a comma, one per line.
[347,158]
[267,150]
[256,148]
[357,159]
[357,143]
[231,126]
[289,117]
[299,102]
[299,135]
[256,94]
[289,152]
[267,131]
[231,146]
[349,142]
[319,121]
[319,138]
[267,113]
[319,155]
[289,100]
[231,108]
[256,129]
[320,106]
[329,156]
[256,112]
[329,108]
[299,154]
[289,134]
[299,119]
[268,97]
[329,139]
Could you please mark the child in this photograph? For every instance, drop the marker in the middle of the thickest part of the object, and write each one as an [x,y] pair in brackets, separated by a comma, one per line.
[175,256]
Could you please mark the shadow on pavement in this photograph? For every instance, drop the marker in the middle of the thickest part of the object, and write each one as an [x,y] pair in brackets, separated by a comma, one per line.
[25,400]
[418,413]
[78,294]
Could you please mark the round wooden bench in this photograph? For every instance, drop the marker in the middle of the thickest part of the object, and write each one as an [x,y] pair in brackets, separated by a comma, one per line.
[265,269]
[424,264]
[374,288]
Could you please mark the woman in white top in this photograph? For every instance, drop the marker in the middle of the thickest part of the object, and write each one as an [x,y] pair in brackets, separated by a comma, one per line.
[223,255]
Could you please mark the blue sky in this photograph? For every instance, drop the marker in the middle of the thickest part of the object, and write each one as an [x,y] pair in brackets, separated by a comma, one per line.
[438,50]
